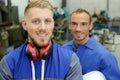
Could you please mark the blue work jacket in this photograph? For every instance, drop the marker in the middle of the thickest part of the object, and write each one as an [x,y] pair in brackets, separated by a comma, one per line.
[94,56]
[62,65]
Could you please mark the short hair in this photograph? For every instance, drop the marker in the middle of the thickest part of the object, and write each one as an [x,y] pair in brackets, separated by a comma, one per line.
[44,4]
[82,11]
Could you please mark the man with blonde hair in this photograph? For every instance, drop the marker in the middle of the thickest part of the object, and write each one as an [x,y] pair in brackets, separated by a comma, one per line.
[40,58]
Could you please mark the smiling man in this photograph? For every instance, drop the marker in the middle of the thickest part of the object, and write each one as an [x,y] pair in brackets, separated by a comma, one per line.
[40,58]
[92,55]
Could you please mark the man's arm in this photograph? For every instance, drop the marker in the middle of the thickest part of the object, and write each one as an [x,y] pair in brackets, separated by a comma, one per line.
[75,70]
[5,73]
[109,67]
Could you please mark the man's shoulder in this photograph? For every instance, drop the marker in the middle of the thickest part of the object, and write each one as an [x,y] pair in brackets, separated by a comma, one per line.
[69,43]
[62,50]
[16,52]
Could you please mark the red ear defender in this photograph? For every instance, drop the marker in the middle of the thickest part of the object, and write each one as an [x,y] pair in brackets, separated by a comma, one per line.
[43,53]
[44,50]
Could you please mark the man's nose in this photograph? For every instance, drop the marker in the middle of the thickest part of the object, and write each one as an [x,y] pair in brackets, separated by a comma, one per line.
[42,25]
[78,27]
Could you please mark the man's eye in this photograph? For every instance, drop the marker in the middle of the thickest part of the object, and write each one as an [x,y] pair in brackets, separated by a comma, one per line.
[73,24]
[47,21]
[36,22]
[84,24]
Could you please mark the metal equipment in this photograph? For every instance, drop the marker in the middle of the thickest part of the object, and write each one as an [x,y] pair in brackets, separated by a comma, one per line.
[8,18]
[61,25]
[114,25]
[8,13]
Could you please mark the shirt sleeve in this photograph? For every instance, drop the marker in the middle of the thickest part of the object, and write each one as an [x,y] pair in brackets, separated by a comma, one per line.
[109,67]
[5,73]
[75,70]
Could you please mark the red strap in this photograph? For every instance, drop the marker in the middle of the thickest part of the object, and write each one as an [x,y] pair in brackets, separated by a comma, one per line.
[33,51]
[43,50]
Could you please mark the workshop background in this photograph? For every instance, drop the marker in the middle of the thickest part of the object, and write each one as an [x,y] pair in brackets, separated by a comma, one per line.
[105,15]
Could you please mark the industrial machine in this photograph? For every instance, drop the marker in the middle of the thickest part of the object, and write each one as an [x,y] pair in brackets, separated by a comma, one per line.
[61,25]
[114,25]
[8,13]
[10,30]
[106,30]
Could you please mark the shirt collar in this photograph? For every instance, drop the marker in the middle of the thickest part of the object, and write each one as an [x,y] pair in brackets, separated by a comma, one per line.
[91,42]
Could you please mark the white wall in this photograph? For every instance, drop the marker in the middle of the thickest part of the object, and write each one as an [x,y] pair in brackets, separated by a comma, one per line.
[21,6]
[96,5]
[90,5]
[56,3]
[114,9]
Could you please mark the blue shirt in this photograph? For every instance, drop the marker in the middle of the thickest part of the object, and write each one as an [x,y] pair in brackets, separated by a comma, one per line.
[94,56]
[60,66]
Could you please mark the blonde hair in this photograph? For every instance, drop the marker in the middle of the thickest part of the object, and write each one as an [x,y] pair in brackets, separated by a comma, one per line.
[44,4]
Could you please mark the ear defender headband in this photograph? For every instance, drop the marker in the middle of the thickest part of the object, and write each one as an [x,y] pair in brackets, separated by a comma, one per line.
[43,53]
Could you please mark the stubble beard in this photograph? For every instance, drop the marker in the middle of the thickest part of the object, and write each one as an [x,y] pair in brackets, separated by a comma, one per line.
[39,43]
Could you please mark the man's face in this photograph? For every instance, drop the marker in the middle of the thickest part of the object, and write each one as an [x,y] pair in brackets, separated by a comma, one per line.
[80,26]
[39,24]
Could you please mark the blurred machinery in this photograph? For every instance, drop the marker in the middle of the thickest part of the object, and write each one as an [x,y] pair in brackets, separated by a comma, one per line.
[3,41]
[100,20]
[106,38]
[61,25]
[8,13]
[11,35]
[114,25]
[105,30]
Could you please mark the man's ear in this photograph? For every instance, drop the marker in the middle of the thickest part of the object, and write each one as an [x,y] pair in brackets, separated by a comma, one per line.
[24,24]
[91,26]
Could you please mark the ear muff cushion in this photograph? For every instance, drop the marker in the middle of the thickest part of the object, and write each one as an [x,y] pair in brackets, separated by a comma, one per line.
[43,53]
[31,52]
[48,52]
[44,50]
